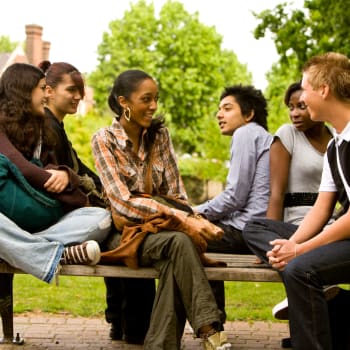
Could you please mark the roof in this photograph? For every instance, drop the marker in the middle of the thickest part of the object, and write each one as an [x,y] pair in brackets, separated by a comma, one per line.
[4,57]
[16,56]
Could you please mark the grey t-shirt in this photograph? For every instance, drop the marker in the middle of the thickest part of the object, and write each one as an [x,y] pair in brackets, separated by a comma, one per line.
[305,168]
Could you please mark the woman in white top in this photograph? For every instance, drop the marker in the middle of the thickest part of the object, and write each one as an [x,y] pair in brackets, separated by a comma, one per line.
[296,160]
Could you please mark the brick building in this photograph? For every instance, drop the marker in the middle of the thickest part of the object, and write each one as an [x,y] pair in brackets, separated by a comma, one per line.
[33,51]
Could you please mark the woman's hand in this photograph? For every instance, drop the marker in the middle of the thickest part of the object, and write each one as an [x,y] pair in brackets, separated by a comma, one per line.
[283,251]
[57,182]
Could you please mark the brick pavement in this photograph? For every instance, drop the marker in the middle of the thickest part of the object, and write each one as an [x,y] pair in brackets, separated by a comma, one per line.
[43,331]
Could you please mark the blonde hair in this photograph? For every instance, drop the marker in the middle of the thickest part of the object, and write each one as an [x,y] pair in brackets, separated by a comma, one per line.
[333,69]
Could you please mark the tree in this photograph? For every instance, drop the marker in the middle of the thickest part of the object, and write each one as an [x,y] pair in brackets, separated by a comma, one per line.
[279,79]
[321,26]
[299,34]
[184,56]
[6,45]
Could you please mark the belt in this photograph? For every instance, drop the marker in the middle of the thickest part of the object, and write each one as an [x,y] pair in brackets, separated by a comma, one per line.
[299,199]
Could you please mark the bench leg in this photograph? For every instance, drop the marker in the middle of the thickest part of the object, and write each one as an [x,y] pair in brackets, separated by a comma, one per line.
[6,310]
[286,343]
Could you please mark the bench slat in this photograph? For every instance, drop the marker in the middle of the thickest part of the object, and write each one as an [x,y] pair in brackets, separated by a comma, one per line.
[240,268]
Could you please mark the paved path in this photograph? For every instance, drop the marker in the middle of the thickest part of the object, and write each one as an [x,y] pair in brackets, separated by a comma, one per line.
[43,331]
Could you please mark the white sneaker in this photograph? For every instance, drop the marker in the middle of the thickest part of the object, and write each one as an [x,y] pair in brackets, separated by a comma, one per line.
[280,310]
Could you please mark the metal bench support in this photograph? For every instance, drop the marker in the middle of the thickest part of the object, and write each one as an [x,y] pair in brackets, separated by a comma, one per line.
[6,310]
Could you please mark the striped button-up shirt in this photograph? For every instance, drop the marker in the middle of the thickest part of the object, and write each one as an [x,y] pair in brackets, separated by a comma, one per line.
[123,172]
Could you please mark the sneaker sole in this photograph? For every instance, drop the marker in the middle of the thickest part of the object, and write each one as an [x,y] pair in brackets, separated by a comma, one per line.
[329,292]
[96,252]
[280,313]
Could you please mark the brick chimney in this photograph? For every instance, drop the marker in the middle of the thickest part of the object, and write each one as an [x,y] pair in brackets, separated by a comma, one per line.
[46,50]
[36,49]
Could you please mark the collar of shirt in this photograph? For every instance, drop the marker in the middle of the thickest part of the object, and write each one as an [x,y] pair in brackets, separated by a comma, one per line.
[344,135]
[122,138]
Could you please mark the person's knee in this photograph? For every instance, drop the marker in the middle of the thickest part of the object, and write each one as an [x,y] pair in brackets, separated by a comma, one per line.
[181,239]
[89,215]
[100,223]
[105,218]
[251,228]
[294,271]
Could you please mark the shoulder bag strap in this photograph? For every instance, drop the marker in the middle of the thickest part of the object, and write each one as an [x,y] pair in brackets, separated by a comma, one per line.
[148,178]
[346,186]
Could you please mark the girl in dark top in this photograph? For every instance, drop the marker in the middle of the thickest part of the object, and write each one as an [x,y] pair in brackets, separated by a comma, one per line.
[64,91]
[128,314]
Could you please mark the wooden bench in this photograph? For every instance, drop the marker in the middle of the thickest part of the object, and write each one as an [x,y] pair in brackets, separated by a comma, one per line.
[239,268]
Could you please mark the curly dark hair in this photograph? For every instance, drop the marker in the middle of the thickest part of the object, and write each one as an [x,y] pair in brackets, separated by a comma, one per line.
[124,85]
[249,99]
[16,119]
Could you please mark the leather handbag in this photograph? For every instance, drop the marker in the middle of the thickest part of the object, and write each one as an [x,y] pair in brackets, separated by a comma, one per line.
[31,209]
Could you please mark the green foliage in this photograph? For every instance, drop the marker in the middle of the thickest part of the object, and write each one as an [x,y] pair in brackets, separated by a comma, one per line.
[279,79]
[321,26]
[129,43]
[301,33]
[80,130]
[183,55]
[6,45]
[289,29]
[204,169]
[210,163]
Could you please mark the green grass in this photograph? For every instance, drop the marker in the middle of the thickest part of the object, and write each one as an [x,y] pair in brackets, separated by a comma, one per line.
[252,300]
[79,296]
[85,296]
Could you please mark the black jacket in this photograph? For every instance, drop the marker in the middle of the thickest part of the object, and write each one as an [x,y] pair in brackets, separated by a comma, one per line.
[65,152]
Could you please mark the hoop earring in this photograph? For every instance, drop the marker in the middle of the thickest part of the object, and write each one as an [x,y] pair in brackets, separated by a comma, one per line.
[127,114]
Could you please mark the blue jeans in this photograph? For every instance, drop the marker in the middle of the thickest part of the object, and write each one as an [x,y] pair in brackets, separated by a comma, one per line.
[304,278]
[39,253]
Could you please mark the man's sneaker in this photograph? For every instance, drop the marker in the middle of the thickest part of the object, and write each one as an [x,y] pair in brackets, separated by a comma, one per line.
[116,332]
[280,310]
[330,292]
[87,253]
[217,341]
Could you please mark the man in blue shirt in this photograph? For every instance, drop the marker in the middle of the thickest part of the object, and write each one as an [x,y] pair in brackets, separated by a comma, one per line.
[242,115]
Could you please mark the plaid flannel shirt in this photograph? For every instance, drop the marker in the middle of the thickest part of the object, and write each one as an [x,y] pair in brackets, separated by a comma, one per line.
[123,172]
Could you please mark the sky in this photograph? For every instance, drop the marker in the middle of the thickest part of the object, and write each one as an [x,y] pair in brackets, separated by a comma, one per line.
[75,28]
